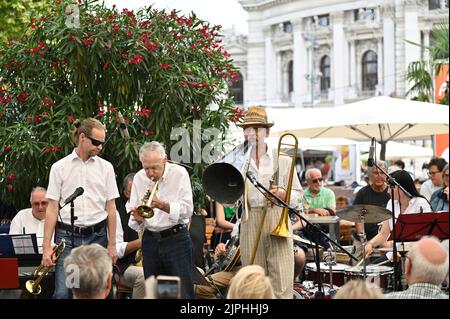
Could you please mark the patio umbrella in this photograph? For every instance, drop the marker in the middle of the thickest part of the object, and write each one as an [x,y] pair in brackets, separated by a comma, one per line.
[382,117]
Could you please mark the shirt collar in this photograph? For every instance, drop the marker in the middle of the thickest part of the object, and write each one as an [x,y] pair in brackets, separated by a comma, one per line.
[74,156]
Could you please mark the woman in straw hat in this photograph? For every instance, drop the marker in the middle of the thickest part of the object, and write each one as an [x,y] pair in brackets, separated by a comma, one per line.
[274,254]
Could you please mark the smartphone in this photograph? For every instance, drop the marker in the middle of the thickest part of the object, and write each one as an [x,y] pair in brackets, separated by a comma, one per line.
[168,287]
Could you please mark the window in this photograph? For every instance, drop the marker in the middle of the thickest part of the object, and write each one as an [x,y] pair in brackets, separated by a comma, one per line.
[287,27]
[369,71]
[291,76]
[236,87]
[324,20]
[437,4]
[364,14]
[325,79]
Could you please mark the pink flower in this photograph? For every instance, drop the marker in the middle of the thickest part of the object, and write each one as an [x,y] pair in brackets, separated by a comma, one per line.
[11,177]
[10,187]
[7,149]
[55,148]
[47,149]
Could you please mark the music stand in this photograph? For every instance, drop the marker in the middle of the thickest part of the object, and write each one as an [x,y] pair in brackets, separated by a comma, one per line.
[412,227]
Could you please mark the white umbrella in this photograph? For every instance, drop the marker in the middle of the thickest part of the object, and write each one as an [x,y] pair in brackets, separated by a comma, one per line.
[395,150]
[382,117]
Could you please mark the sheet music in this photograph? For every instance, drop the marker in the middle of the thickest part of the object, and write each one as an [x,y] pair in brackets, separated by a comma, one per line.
[23,244]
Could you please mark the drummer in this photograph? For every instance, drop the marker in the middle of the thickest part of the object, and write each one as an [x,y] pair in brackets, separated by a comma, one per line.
[403,205]
[375,193]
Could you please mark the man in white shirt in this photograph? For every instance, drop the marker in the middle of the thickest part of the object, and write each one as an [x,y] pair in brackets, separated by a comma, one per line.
[274,254]
[166,243]
[95,208]
[32,220]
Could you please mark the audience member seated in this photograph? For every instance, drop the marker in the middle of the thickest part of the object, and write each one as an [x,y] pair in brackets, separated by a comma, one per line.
[88,271]
[358,289]
[250,282]
[439,199]
[225,222]
[426,267]
[435,167]
[32,220]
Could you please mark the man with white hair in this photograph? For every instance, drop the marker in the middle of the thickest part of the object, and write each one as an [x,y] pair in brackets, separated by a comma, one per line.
[166,243]
[88,271]
[32,220]
[426,267]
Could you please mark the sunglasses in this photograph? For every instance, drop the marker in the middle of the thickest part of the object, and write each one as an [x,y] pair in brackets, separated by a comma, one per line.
[317,180]
[94,141]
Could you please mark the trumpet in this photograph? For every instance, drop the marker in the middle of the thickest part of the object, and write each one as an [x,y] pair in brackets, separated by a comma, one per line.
[33,286]
[145,210]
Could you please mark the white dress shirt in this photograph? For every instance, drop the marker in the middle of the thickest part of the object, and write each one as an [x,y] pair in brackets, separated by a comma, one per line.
[98,180]
[264,174]
[174,187]
[25,223]
[120,244]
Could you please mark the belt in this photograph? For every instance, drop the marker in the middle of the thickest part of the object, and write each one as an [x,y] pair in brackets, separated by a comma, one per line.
[167,232]
[83,230]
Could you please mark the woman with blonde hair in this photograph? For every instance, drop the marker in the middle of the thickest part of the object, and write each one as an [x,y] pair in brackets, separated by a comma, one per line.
[250,282]
[358,289]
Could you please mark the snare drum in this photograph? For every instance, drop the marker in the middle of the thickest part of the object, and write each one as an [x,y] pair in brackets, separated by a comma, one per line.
[376,275]
[338,273]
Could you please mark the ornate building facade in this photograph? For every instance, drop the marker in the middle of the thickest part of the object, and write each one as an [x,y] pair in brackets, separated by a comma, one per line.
[300,53]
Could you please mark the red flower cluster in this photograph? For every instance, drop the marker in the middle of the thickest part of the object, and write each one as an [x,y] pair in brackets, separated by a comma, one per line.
[87,42]
[11,177]
[137,59]
[7,149]
[49,149]
[23,97]
[237,114]
[47,102]
[144,112]
[40,48]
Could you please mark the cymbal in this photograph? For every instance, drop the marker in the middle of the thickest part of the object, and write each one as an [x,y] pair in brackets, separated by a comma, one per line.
[406,246]
[371,213]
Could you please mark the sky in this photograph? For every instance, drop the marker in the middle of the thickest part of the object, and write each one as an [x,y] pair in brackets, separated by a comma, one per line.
[219,12]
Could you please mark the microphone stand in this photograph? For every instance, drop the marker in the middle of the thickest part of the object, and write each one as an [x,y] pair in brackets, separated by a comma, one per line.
[315,230]
[73,218]
[392,183]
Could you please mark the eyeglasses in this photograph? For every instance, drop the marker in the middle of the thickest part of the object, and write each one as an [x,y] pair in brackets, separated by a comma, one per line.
[94,141]
[317,180]
[433,173]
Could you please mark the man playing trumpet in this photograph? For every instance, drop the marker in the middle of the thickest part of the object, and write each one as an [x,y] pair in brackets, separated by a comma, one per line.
[166,243]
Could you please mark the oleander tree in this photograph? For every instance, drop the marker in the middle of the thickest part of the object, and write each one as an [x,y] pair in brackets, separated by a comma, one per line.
[154,69]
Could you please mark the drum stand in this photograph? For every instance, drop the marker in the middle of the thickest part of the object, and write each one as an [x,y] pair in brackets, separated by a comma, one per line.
[363,238]
[330,262]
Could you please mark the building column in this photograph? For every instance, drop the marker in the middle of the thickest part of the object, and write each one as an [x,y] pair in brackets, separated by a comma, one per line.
[380,61]
[352,92]
[336,61]
[426,43]
[388,50]
[279,77]
[300,66]
[269,67]
[412,33]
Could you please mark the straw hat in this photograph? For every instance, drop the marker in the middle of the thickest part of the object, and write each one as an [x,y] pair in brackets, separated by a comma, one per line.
[256,115]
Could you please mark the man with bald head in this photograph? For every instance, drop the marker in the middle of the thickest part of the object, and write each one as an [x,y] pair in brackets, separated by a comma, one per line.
[425,269]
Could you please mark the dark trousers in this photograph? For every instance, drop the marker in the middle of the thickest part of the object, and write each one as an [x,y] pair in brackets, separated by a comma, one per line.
[170,256]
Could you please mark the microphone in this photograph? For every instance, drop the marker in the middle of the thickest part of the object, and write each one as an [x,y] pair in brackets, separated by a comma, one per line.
[123,127]
[371,160]
[75,194]
[252,178]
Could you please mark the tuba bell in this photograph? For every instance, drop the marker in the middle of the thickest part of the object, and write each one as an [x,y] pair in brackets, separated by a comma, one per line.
[145,210]
[224,179]
[33,286]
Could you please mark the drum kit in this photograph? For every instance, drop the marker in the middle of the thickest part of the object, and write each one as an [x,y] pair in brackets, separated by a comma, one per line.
[335,274]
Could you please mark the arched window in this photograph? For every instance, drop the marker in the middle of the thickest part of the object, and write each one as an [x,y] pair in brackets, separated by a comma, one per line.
[369,71]
[291,76]
[236,87]
[325,67]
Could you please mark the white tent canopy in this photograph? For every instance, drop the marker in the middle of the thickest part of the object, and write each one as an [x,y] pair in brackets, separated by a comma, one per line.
[382,117]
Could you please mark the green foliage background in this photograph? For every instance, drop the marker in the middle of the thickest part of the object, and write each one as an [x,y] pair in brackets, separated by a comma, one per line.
[158,69]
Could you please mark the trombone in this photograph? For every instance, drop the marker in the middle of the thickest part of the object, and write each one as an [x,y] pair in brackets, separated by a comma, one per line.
[33,286]
[282,229]
[145,210]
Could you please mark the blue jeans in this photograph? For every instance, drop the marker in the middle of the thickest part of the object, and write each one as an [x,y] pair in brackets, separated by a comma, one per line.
[100,237]
[170,256]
